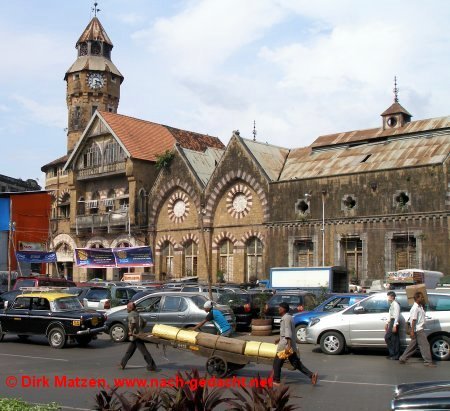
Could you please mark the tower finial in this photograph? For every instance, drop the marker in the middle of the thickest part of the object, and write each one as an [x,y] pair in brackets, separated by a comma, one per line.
[95,9]
[254,130]
[395,90]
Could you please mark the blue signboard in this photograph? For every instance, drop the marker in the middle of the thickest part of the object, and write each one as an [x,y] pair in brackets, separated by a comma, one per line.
[4,214]
[94,257]
[133,257]
[36,256]
[114,257]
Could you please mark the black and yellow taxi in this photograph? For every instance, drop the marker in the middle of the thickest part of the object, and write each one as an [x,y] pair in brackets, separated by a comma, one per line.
[57,315]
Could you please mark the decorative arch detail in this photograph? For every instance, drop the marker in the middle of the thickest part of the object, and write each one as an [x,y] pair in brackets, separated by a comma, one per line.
[250,234]
[123,238]
[162,240]
[63,239]
[161,195]
[225,182]
[224,235]
[63,193]
[189,237]
[97,240]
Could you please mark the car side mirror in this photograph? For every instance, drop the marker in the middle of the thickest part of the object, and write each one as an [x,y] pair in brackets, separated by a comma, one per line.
[5,305]
[359,310]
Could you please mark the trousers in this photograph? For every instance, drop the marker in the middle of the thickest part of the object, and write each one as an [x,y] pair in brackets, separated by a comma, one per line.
[419,340]
[393,340]
[140,345]
[296,363]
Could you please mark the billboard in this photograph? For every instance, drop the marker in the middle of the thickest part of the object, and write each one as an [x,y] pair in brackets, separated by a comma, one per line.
[113,257]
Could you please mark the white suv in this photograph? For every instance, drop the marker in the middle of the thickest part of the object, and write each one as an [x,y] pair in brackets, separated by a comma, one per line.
[362,325]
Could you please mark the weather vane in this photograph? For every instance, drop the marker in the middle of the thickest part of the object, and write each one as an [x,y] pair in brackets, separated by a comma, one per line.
[95,9]
[395,90]
[254,130]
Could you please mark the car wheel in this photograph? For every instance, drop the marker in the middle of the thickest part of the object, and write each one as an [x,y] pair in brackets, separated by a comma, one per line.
[118,333]
[300,333]
[83,340]
[57,337]
[440,348]
[332,343]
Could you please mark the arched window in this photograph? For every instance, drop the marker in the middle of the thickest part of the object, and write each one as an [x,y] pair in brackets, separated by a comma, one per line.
[113,152]
[167,259]
[190,259]
[92,157]
[253,259]
[64,206]
[81,206]
[226,259]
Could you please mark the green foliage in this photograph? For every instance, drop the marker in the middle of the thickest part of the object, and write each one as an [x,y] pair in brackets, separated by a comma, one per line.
[14,404]
[163,160]
[220,276]
[260,300]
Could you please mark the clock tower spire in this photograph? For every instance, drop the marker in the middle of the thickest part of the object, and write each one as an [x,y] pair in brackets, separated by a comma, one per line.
[93,81]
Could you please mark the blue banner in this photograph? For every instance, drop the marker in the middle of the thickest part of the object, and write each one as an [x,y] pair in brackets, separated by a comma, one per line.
[94,257]
[133,257]
[36,256]
[4,214]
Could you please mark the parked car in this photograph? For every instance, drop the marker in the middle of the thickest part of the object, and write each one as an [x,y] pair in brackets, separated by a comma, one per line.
[42,281]
[245,306]
[58,316]
[103,298]
[333,304]
[429,395]
[298,301]
[362,325]
[177,309]
[142,293]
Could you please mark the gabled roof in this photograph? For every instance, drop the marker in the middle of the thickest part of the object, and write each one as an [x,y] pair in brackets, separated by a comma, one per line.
[396,108]
[392,154]
[144,140]
[270,158]
[94,31]
[203,163]
[361,136]
[60,160]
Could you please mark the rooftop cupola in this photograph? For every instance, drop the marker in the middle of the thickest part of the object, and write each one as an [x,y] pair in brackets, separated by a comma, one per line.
[395,116]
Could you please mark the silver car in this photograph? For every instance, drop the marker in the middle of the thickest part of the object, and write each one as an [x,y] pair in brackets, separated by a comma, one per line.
[362,325]
[173,308]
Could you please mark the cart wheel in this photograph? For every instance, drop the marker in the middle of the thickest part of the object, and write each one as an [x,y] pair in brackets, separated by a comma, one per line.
[217,367]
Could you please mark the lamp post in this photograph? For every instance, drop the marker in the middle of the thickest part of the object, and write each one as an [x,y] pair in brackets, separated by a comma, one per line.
[324,192]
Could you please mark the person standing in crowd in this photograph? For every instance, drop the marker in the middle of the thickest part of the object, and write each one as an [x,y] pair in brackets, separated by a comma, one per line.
[135,323]
[417,333]
[287,348]
[223,327]
[392,336]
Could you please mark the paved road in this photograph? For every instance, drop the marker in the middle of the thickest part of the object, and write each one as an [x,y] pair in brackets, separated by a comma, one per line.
[363,380]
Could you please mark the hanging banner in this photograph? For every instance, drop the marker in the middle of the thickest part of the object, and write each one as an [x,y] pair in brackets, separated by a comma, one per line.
[4,214]
[36,257]
[94,257]
[133,257]
[114,257]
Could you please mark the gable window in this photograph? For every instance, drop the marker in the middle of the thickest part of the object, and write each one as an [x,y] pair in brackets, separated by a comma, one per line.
[167,259]
[304,253]
[190,259]
[92,157]
[253,256]
[113,152]
[226,259]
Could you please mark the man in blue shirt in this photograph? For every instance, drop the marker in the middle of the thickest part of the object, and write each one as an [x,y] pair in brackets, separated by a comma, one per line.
[223,327]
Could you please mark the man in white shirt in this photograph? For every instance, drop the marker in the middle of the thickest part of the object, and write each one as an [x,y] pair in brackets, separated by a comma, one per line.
[392,327]
[418,336]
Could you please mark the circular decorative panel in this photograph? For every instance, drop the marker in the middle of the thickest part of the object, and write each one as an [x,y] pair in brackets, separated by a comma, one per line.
[239,201]
[178,207]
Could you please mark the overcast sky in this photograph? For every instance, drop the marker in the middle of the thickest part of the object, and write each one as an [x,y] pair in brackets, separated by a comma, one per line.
[301,69]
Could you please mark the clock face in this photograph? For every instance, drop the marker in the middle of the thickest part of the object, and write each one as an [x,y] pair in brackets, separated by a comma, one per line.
[179,208]
[95,81]
[240,202]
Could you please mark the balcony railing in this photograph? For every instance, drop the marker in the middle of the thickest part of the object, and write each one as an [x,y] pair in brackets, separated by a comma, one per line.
[109,220]
[100,170]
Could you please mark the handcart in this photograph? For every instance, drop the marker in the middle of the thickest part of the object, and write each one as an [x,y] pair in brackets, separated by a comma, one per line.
[219,363]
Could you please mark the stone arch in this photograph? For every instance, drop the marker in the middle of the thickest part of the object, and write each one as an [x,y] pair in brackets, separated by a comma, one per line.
[162,240]
[123,238]
[62,194]
[165,191]
[225,182]
[97,240]
[189,237]
[250,234]
[61,239]
[224,235]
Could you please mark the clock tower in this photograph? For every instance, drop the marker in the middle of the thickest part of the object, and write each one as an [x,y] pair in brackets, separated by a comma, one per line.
[93,81]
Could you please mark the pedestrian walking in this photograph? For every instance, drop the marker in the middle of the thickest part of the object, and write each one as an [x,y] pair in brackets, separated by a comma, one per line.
[135,325]
[287,348]
[221,324]
[417,333]
[392,328]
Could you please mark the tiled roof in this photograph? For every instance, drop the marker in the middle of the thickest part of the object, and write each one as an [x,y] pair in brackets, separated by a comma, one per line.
[93,63]
[144,140]
[94,31]
[203,163]
[60,160]
[360,136]
[396,108]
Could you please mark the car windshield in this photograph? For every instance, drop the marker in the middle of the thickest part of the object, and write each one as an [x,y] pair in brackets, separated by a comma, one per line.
[199,300]
[67,304]
[234,299]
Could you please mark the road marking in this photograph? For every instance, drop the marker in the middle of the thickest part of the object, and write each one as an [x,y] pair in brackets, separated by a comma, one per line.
[356,383]
[36,358]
